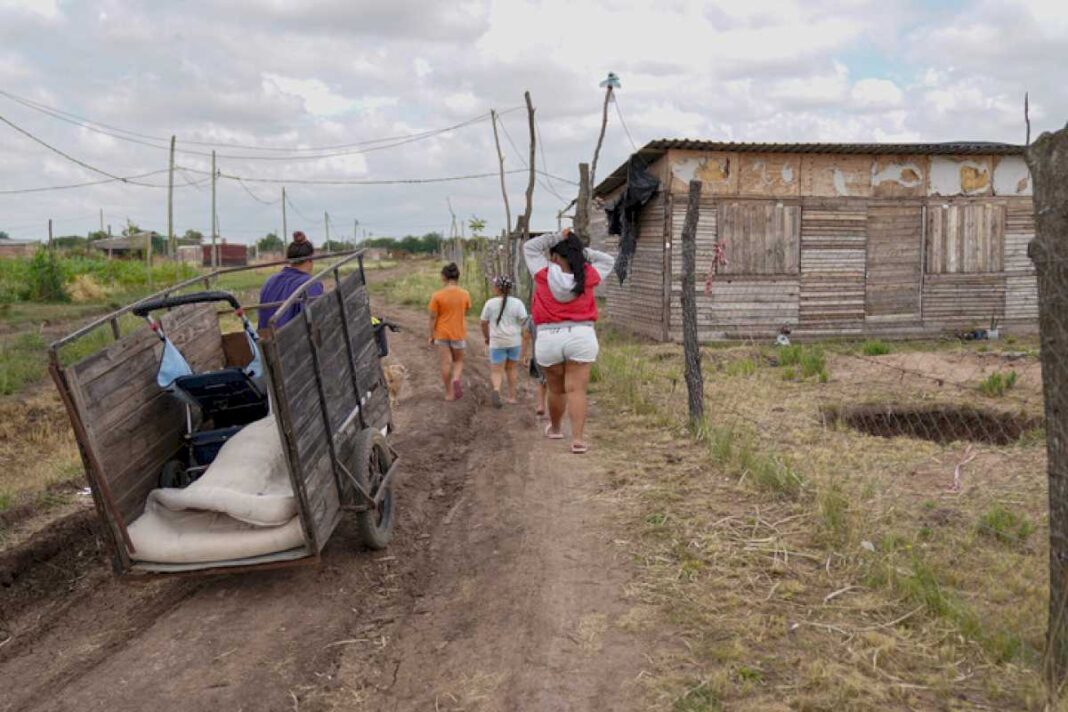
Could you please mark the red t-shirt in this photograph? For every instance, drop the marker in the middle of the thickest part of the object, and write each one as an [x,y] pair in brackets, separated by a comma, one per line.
[544,308]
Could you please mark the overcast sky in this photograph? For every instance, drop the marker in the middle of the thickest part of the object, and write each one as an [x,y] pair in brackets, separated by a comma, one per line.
[291,74]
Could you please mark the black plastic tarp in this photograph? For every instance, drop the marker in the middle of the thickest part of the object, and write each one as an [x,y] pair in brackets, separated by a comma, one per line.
[624,212]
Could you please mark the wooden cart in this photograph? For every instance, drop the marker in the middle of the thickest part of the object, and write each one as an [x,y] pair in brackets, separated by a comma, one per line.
[326,388]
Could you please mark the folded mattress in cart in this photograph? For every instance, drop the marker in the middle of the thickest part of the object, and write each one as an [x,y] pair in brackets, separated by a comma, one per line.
[242,506]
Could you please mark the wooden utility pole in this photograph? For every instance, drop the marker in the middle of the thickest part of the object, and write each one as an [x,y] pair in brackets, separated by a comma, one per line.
[50,233]
[500,159]
[1027,121]
[600,138]
[513,253]
[355,229]
[326,226]
[148,256]
[101,220]
[695,384]
[285,225]
[1048,160]
[582,205]
[214,231]
[172,246]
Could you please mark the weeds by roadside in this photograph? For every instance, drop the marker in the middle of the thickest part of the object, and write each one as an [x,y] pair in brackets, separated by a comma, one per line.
[816,567]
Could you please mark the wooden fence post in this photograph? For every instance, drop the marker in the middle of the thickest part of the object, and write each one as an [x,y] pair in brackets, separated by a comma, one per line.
[582,205]
[695,384]
[1048,161]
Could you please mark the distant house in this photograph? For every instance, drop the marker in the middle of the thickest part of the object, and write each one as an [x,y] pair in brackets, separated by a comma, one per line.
[17,248]
[226,255]
[890,240]
[135,245]
[376,254]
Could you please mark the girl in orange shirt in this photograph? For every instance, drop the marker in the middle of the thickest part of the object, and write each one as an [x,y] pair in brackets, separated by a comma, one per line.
[448,329]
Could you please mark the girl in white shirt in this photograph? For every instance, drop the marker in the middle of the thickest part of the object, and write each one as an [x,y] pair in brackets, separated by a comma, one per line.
[502,328]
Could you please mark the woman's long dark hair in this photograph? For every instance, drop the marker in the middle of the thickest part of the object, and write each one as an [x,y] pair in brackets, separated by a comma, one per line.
[574,253]
[504,286]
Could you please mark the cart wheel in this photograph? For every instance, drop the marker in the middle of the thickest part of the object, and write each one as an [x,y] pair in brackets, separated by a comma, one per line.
[174,475]
[376,527]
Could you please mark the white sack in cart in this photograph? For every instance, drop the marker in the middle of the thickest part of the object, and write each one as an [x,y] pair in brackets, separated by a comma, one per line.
[242,506]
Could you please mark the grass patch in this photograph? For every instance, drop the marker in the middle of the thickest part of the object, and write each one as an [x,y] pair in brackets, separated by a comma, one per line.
[875,348]
[698,699]
[21,362]
[803,361]
[1005,526]
[997,384]
[7,500]
[741,368]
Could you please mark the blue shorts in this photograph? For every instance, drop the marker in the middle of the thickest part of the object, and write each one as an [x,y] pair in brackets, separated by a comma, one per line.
[499,356]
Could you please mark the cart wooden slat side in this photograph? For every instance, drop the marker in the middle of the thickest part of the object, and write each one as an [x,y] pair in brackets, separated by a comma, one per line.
[325,381]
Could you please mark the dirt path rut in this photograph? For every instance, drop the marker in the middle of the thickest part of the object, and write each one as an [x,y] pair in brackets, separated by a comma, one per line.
[501,591]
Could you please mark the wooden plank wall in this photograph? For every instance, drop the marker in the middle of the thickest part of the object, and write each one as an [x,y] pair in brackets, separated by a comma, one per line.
[1021,285]
[965,238]
[833,261]
[895,235]
[638,305]
[962,300]
[133,425]
[739,305]
[759,236]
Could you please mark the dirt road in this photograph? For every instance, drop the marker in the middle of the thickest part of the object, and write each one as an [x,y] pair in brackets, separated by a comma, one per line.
[501,591]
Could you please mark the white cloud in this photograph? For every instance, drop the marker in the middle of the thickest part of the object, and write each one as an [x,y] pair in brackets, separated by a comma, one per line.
[877,94]
[48,9]
[318,98]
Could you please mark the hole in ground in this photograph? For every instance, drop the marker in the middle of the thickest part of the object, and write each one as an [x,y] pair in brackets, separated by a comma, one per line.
[939,423]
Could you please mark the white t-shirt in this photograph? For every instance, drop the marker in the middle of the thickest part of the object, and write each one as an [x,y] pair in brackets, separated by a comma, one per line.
[509,333]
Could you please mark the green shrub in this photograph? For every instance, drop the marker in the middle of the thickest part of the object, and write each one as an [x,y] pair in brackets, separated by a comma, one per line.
[46,278]
[996,384]
[875,348]
[1005,526]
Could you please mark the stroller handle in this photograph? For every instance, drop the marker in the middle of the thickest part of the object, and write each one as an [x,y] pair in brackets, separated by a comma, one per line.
[195,298]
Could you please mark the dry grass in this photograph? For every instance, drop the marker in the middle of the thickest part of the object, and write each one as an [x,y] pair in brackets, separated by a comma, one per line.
[815,567]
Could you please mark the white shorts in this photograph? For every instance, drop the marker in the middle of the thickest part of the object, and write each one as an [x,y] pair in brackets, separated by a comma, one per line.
[568,343]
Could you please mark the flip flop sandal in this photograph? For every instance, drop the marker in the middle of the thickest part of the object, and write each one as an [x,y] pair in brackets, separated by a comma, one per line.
[579,448]
[551,435]
[496,398]
[457,390]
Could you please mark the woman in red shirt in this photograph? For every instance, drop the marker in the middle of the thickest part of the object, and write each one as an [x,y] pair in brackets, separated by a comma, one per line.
[565,275]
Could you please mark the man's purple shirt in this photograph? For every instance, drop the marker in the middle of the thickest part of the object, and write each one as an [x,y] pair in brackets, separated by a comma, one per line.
[278,288]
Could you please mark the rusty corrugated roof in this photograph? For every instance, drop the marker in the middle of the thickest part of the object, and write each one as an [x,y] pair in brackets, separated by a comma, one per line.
[655,149]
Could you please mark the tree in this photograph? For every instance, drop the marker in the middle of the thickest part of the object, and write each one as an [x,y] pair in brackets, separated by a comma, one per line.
[98,235]
[4,235]
[337,246]
[193,237]
[131,229]
[477,225]
[270,243]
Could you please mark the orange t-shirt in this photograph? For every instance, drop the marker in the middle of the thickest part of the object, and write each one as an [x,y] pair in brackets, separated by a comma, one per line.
[450,305]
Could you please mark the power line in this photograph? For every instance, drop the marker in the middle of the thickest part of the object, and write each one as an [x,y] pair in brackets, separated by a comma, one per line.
[164,143]
[524,161]
[71,158]
[619,111]
[297,210]
[255,197]
[357,181]
[128,179]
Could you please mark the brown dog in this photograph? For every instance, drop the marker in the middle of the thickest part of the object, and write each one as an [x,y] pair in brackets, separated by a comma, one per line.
[396,374]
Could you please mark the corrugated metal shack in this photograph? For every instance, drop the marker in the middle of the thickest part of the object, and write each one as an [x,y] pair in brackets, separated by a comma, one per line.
[889,240]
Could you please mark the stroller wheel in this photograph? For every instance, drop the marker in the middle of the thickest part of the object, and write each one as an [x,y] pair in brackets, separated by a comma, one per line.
[174,474]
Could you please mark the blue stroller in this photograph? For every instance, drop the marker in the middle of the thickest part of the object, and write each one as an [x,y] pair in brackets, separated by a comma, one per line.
[228,399]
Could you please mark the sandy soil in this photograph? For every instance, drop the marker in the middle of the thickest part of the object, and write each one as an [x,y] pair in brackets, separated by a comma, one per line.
[502,591]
